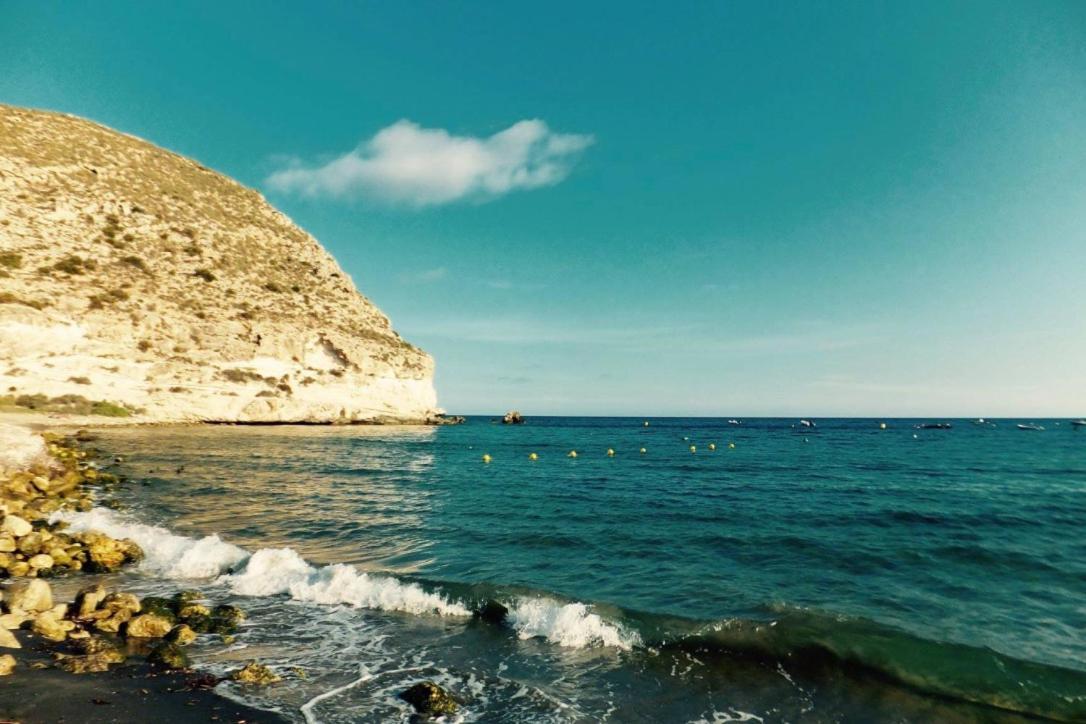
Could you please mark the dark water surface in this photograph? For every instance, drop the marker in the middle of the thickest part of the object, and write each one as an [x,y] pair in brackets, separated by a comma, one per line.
[842,573]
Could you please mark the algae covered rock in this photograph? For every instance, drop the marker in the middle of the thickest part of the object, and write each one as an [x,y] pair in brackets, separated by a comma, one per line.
[168,655]
[93,663]
[429,698]
[159,606]
[255,674]
[181,634]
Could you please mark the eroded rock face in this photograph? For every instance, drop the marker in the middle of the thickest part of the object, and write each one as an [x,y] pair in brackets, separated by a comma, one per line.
[132,276]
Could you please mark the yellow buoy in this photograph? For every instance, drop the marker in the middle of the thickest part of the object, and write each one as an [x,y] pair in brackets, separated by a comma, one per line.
[643,451]
[693,448]
[610,452]
[882,425]
[731,445]
[487,458]
[571,454]
[533,456]
[712,446]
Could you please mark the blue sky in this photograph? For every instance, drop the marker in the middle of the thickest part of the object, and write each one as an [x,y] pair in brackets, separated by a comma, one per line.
[645,208]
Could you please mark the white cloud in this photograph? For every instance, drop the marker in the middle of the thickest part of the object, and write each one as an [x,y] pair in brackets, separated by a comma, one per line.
[405,163]
[426,276]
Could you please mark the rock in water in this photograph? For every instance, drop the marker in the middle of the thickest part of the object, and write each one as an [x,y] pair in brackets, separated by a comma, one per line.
[148,626]
[168,655]
[512,418]
[181,635]
[492,612]
[255,674]
[152,285]
[429,698]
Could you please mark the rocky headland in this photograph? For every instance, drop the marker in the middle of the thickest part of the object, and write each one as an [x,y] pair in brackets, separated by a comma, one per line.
[137,285]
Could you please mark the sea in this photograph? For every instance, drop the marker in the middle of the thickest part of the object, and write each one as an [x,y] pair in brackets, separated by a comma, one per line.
[673,570]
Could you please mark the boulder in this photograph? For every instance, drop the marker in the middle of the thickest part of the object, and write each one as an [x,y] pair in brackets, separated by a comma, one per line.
[7,542]
[8,640]
[29,544]
[41,562]
[148,626]
[192,610]
[513,418]
[87,600]
[15,525]
[181,635]
[161,607]
[430,699]
[168,656]
[119,602]
[7,664]
[90,663]
[226,612]
[31,596]
[492,612]
[48,626]
[12,621]
[255,674]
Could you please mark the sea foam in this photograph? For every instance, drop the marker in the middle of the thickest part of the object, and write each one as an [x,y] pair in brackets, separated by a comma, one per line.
[568,624]
[282,571]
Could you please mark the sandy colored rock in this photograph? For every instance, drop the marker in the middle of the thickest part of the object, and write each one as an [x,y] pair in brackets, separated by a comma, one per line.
[29,596]
[12,621]
[7,664]
[15,525]
[173,293]
[120,602]
[7,542]
[8,640]
[47,625]
[255,674]
[87,600]
[42,561]
[148,626]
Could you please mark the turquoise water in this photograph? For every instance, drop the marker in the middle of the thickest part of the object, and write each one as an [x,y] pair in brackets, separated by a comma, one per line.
[840,573]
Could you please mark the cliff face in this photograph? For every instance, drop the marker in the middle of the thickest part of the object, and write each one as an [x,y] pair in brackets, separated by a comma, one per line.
[132,275]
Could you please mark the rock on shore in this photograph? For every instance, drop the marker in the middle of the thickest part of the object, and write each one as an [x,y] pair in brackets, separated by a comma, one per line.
[137,283]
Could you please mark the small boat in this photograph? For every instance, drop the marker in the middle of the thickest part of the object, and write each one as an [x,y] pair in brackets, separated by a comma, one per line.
[808,423]
[735,422]
[934,426]
[1030,426]
[1078,423]
[979,421]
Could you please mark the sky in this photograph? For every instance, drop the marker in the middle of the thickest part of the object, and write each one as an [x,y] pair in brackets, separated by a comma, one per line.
[643,208]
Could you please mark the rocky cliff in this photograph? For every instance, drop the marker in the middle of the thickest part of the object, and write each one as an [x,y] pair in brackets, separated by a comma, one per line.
[134,281]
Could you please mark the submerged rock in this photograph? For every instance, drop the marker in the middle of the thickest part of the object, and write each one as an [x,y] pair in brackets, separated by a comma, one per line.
[429,698]
[94,663]
[255,674]
[492,612]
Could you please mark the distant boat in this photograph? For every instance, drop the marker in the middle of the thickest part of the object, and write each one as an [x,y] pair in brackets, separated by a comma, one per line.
[807,423]
[934,426]
[1078,423]
[1030,426]
[740,422]
[980,421]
